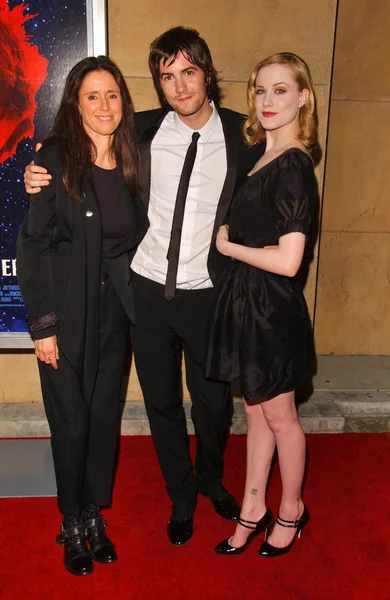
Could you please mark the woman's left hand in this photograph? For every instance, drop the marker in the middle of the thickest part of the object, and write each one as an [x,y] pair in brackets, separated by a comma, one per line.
[222,240]
[47,351]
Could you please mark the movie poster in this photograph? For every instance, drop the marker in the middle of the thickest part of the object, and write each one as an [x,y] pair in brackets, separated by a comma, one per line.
[40,40]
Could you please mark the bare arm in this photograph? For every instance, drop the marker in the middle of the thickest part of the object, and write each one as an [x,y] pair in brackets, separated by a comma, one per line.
[35,177]
[292,207]
[284,259]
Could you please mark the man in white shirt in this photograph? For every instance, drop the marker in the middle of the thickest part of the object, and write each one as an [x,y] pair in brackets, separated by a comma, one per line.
[172,320]
[187,85]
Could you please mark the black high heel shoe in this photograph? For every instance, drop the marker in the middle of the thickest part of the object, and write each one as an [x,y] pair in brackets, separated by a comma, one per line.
[268,550]
[258,527]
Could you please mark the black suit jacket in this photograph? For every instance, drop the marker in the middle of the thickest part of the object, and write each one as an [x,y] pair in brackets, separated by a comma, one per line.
[59,264]
[240,160]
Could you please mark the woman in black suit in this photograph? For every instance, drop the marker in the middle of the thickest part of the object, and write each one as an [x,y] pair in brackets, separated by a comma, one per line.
[73,270]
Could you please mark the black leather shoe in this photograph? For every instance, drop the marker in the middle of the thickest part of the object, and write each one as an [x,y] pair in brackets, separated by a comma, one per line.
[258,527]
[102,548]
[77,557]
[226,506]
[270,551]
[180,532]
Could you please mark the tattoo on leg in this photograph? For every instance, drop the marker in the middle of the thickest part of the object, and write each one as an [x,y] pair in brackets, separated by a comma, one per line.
[253,492]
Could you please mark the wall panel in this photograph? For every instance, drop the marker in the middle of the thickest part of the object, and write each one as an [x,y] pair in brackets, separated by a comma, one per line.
[353,293]
[239,35]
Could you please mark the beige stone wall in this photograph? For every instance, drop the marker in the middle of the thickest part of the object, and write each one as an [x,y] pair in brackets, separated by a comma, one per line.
[353,293]
[239,36]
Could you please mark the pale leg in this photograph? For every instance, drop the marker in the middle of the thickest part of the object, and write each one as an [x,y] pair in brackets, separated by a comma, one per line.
[260,450]
[281,415]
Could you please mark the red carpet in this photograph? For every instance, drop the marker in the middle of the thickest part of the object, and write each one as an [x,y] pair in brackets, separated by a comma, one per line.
[343,554]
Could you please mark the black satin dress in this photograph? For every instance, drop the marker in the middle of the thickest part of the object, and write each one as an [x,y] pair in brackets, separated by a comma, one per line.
[260,330]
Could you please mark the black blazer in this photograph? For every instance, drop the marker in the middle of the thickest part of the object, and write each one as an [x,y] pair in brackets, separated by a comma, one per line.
[59,264]
[240,160]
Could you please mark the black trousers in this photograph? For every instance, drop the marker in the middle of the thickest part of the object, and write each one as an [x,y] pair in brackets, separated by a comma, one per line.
[162,331]
[84,435]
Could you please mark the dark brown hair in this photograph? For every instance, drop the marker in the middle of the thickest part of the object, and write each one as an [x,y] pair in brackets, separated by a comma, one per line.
[77,150]
[188,41]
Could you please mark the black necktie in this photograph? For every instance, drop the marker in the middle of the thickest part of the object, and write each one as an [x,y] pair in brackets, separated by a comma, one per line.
[178,215]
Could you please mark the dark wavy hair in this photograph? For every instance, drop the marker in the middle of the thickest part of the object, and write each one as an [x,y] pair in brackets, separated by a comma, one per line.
[188,41]
[78,152]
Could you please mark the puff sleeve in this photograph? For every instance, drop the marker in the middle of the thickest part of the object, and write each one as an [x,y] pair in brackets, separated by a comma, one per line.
[294,194]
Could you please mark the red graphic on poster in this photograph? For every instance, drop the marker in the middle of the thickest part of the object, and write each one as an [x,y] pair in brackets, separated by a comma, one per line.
[22,72]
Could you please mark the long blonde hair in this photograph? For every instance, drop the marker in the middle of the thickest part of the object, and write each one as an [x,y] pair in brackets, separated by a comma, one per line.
[253,131]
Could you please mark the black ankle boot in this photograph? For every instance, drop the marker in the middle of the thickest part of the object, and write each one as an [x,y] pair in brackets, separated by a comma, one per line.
[77,557]
[102,548]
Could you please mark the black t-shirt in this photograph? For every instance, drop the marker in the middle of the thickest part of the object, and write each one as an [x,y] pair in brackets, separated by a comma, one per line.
[116,218]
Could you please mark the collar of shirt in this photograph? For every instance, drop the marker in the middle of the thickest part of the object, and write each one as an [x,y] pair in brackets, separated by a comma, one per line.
[205,132]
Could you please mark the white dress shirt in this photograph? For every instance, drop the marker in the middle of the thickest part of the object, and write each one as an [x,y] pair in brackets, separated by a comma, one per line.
[168,151]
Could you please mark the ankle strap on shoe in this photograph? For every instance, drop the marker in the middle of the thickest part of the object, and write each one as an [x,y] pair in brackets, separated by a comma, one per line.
[71,532]
[252,524]
[290,524]
[95,522]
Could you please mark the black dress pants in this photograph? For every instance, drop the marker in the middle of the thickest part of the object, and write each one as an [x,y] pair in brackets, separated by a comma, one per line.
[84,435]
[162,331]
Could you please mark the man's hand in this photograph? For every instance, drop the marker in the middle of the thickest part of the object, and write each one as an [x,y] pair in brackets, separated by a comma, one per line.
[47,351]
[35,177]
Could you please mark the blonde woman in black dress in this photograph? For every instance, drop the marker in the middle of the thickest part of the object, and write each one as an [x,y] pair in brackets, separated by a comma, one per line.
[260,331]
